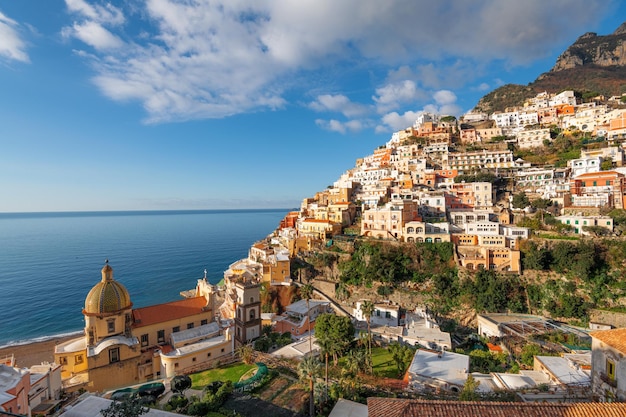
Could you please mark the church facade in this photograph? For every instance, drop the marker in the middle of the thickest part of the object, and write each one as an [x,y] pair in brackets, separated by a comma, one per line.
[123,346]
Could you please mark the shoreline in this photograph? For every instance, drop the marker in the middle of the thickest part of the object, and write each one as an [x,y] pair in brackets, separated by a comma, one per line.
[36,352]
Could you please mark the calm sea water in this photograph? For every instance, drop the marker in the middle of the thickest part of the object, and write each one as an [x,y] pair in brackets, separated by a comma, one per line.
[50,261]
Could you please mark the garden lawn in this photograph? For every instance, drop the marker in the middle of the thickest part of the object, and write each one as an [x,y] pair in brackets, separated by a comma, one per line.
[228,373]
[383,363]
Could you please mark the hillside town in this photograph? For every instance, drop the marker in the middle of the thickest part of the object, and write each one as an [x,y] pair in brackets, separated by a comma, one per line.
[441,180]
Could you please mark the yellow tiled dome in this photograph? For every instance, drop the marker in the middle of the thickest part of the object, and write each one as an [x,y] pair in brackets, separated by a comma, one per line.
[108,296]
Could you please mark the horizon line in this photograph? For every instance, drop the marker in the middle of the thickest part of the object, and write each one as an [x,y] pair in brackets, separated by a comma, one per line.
[143,210]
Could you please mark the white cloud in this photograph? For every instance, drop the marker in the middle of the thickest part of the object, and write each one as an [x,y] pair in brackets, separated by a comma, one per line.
[101,14]
[397,121]
[95,35]
[444,97]
[483,87]
[214,58]
[445,104]
[12,46]
[391,96]
[341,127]
[337,103]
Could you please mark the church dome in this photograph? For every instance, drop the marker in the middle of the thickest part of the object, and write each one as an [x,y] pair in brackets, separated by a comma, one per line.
[108,296]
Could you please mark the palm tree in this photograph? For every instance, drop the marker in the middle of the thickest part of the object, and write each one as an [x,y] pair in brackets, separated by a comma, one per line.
[309,369]
[355,361]
[306,291]
[327,346]
[367,308]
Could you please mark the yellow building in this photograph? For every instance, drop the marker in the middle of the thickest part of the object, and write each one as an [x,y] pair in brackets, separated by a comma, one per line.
[123,346]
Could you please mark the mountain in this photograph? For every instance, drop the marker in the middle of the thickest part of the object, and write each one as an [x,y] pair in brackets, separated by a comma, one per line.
[592,64]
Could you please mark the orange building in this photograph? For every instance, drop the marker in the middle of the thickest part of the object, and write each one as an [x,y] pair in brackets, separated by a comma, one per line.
[598,189]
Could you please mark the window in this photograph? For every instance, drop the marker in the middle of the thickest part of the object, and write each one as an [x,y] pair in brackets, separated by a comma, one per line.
[251,300]
[189,325]
[252,315]
[114,355]
[176,329]
[144,340]
[222,350]
[610,369]
[203,322]
[193,359]
[111,326]
[78,359]
[208,355]
[63,360]
[161,336]
[387,315]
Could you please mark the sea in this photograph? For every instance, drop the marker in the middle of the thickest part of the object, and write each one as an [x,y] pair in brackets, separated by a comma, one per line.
[50,261]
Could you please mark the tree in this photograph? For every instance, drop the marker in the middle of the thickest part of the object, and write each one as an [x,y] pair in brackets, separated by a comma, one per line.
[541,203]
[306,291]
[469,391]
[326,346]
[529,352]
[367,307]
[308,369]
[180,383]
[402,355]
[246,353]
[520,200]
[356,361]
[334,333]
[130,407]
[342,292]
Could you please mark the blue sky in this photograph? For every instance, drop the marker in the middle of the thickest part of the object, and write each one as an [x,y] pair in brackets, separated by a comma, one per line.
[198,104]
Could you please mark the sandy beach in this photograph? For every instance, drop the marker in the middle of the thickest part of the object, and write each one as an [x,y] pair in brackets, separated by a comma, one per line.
[34,353]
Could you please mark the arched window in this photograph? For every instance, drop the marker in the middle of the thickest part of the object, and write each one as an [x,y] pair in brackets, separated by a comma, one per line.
[252,314]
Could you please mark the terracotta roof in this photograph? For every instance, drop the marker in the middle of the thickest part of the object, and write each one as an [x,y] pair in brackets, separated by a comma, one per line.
[392,407]
[599,174]
[616,338]
[174,310]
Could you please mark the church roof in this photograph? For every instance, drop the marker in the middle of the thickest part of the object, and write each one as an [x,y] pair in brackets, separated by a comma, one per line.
[108,296]
[174,310]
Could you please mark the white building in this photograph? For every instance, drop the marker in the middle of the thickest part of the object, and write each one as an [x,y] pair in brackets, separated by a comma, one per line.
[579,222]
[584,165]
[532,138]
[608,364]
[432,370]
[385,314]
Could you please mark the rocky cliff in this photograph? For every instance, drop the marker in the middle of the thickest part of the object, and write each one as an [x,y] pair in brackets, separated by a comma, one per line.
[591,49]
[592,64]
